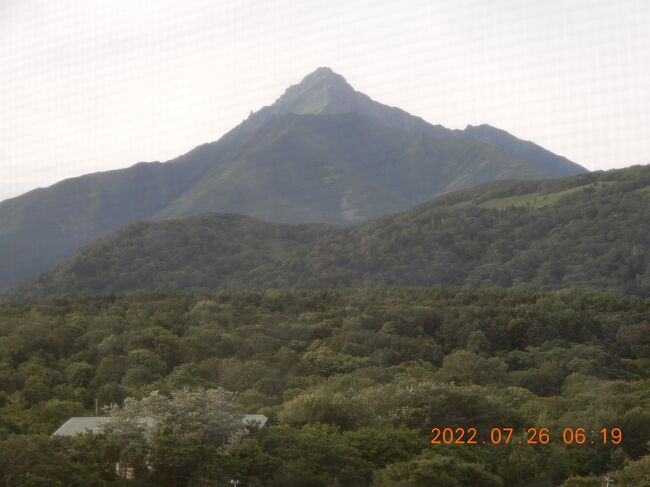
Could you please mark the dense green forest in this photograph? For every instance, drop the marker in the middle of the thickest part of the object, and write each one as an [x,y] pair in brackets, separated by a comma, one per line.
[353,383]
[516,304]
[586,231]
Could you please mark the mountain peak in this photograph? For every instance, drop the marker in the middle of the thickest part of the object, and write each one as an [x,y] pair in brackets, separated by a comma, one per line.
[325,92]
[323,71]
[323,75]
[321,91]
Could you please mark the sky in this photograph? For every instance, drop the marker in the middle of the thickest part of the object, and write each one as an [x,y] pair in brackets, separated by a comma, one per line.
[94,85]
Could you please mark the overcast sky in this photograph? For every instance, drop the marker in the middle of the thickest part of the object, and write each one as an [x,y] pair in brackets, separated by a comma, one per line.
[90,85]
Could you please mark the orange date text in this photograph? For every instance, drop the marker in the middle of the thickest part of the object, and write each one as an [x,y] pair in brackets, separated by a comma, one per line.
[505,435]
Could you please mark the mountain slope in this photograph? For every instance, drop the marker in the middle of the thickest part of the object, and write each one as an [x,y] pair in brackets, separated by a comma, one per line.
[583,231]
[185,253]
[322,152]
[343,168]
[364,158]
[45,226]
[501,139]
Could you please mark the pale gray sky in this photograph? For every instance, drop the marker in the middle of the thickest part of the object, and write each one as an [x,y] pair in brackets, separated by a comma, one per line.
[90,85]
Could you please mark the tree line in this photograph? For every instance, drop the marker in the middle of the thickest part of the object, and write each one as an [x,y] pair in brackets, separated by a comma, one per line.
[352,383]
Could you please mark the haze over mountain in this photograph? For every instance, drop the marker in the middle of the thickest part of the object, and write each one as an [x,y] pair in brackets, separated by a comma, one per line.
[585,231]
[322,152]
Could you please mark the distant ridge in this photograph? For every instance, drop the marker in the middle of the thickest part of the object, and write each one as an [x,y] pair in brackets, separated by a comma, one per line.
[523,148]
[585,231]
[322,152]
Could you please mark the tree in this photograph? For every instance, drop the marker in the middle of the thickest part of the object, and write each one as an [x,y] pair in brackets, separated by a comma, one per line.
[430,469]
[478,343]
[590,481]
[468,368]
[39,461]
[79,374]
[635,474]
[167,437]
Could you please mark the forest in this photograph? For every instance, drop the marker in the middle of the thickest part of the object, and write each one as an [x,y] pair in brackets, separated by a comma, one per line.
[586,232]
[353,382]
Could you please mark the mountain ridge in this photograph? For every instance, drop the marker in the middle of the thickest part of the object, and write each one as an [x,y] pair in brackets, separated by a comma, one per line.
[45,226]
[584,231]
[523,148]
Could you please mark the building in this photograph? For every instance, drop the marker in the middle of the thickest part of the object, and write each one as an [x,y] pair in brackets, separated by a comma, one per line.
[93,424]
[79,425]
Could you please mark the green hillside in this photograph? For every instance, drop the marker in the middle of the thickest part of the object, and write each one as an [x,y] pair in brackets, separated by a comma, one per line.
[45,226]
[587,231]
[322,152]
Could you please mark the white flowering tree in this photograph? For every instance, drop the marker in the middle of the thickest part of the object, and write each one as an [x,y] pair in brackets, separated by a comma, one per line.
[167,436]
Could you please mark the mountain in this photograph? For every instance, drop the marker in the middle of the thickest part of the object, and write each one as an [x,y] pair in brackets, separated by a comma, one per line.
[322,152]
[523,148]
[585,231]
[342,168]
